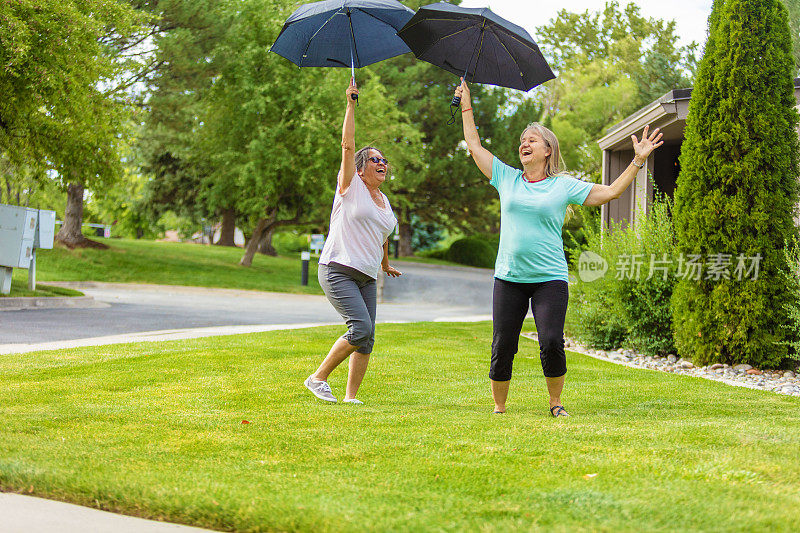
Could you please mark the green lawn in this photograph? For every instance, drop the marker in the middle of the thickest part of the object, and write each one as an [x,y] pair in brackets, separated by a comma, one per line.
[156,430]
[19,287]
[166,263]
[428,260]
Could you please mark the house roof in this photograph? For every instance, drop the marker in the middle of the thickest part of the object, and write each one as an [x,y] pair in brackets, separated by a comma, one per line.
[667,112]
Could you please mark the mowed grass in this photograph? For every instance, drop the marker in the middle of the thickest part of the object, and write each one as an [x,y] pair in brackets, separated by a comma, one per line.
[157,430]
[165,263]
[19,288]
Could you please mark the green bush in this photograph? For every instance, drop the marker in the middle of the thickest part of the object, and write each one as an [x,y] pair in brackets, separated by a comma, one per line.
[737,188]
[630,304]
[290,242]
[792,307]
[439,253]
[472,251]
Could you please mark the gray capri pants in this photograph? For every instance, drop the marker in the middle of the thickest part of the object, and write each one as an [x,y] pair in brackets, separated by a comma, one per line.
[354,295]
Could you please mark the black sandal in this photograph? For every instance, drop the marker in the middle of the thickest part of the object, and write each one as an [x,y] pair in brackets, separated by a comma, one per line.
[558,410]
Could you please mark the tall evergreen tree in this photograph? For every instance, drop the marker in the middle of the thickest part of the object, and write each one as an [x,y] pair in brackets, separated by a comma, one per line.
[793,6]
[737,189]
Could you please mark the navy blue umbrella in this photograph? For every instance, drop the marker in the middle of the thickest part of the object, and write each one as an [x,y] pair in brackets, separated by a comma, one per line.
[477,44]
[343,33]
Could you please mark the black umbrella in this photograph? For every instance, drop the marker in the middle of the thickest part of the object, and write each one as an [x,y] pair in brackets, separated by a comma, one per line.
[343,33]
[476,44]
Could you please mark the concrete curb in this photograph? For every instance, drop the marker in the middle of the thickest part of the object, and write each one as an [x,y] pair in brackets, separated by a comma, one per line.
[26,514]
[179,289]
[153,336]
[49,302]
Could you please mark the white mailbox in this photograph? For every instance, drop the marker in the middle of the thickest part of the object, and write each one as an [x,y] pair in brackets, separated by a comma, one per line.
[45,230]
[22,231]
[17,233]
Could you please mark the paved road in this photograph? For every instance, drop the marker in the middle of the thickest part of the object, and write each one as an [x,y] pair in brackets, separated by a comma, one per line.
[423,293]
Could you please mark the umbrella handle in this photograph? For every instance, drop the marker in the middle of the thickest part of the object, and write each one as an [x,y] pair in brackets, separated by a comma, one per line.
[456,101]
[354,97]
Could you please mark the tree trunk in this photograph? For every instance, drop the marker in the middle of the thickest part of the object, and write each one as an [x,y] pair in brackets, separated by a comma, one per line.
[255,240]
[70,233]
[265,247]
[405,240]
[228,228]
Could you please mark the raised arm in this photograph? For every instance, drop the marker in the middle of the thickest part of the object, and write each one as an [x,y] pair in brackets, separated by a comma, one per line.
[483,157]
[348,167]
[602,194]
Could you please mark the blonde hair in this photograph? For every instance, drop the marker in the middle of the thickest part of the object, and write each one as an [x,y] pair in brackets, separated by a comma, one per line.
[553,165]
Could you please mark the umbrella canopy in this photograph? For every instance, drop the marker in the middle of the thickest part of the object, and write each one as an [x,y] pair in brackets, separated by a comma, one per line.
[476,44]
[343,33]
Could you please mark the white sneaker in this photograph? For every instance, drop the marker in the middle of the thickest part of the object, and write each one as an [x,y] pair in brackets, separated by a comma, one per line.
[320,389]
[353,400]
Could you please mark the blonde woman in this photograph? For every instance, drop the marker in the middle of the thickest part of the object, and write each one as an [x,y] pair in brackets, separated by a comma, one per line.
[531,270]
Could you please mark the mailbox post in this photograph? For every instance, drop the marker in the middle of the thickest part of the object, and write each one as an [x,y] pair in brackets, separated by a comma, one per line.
[45,235]
[17,231]
[22,230]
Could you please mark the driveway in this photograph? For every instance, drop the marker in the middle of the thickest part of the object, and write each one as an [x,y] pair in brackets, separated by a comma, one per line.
[125,312]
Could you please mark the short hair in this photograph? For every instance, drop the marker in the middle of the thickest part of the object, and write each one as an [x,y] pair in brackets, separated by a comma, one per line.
[362,156]
[554,165]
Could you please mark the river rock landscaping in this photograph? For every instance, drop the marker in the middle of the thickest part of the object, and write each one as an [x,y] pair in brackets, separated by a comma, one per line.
[741,375]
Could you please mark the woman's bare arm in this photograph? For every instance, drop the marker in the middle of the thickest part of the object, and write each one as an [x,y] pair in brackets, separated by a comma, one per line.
[348,167]
[483,157]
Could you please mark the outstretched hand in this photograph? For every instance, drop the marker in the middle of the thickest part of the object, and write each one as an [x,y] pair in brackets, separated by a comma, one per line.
[351,90]
[648,143]
[462,91]
[391,271]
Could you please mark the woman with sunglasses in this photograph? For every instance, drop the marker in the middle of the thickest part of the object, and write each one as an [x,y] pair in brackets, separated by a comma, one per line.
[356,250]
[531,270]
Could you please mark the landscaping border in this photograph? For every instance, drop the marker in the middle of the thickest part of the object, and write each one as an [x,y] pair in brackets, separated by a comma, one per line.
[778,381]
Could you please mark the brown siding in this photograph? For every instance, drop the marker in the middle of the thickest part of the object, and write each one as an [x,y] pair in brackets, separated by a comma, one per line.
[619,210]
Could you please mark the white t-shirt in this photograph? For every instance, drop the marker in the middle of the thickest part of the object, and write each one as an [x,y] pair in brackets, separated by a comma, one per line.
[358,229]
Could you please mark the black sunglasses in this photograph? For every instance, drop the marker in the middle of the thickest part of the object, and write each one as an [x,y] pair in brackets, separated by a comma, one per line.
[377,160]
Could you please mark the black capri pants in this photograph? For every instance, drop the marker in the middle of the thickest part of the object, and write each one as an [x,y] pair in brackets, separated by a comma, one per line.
[548,301]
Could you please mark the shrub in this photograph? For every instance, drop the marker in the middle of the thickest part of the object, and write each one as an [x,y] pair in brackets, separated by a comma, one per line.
[439,253]
[792,276]
[630,304]
[737,188]
[424,235]
[472,251]
[290,242]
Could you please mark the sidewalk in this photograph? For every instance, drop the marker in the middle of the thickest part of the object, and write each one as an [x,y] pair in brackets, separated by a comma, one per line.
[27,514]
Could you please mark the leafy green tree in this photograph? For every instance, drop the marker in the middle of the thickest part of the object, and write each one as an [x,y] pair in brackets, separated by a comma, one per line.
[185,35]
[609,64]
[29,185]
[444,187]
[62,83]
[737,189]
[271,132]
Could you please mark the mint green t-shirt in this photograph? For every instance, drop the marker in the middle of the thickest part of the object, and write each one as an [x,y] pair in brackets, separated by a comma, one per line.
[531,217]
